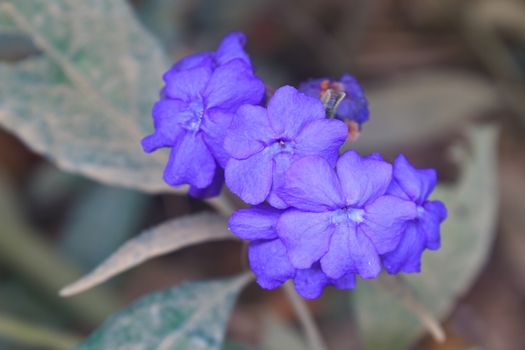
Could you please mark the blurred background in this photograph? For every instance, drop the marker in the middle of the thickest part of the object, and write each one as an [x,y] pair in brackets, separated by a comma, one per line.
[433,70]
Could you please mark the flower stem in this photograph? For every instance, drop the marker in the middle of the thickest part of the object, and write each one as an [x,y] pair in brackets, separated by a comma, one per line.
[222,204]
[305,317]
[25,333]
[24,251]
[400,288]
[425,316]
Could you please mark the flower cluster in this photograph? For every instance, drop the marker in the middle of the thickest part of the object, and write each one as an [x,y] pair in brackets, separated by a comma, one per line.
[318,217]
[201,96]
[264,142]
[342,222]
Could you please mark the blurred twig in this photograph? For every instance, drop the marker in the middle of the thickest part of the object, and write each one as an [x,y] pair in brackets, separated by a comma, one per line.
[32,335]
[398,286]
[305,317]
[23,250]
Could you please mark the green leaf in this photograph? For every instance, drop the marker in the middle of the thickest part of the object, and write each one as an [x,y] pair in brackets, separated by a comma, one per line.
[162,239]
[446,274]
[19,299]
[25,252]
[33,335]
[85,102]
[191,316]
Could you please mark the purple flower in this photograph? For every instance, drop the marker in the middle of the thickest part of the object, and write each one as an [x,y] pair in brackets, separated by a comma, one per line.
[353,107]
[342,219]
[263,143]
[231,48]
[422,232]
[269,259]
[201,95]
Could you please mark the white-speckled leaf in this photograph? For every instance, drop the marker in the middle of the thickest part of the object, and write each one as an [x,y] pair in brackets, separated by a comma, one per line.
[165,238]
[191,316]
[85,102]
[446,274]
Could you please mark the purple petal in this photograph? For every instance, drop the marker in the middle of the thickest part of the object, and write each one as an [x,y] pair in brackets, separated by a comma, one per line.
[190,162]
[233,85]
[168,115]
[362,179]
[305,235]
[407,255]
[338,260]
[282,162]
[192,61]
[213,189]
[416,183]
[188,85]
[438,208]
[322,137]
[290,111]
[270,263]
[157,140]
[347,281]
[274,200]
[258,222]
[310,283]
[312,185]
[350,252]
[312,87]
[354,106]
[365,256]
[214,125]
[396,190]
[249,132]
[251,178]
[429,222]
[375,156]
[386,219]
[353,110]
[232,47]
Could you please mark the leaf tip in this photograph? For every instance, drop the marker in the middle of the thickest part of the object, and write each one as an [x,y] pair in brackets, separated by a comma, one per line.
[70,290]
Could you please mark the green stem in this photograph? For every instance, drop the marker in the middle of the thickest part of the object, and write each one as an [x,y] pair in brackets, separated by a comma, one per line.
[28,255]
[32,335]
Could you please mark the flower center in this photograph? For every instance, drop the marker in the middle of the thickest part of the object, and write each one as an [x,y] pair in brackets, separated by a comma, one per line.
[196,108]
[282,146]
[348,214]
[420,211]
